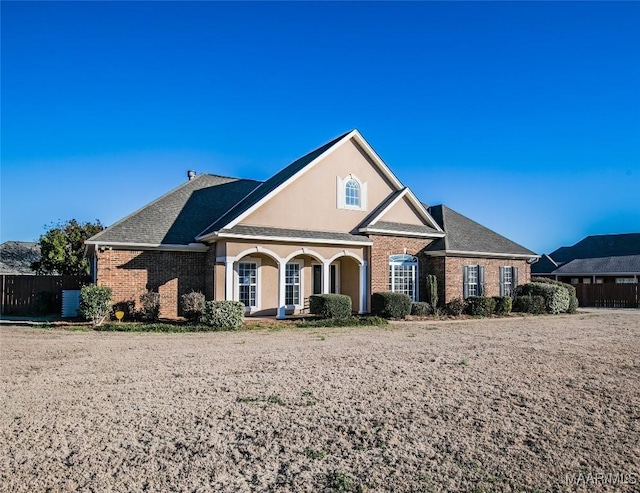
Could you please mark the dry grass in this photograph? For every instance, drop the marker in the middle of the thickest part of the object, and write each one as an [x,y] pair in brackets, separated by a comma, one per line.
[518,404]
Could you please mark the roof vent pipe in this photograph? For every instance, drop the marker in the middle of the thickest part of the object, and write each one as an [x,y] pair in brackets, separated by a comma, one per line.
[191,174]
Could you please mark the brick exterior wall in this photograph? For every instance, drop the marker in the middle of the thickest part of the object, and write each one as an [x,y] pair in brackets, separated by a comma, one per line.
[453,275]
[131,273]
[382,247]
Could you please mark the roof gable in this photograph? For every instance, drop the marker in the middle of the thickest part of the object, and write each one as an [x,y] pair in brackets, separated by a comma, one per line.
[241,213]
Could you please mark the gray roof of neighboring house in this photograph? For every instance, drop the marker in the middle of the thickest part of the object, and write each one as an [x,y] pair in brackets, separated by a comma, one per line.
[601,265]
[294,233]
[269,186]
[179,216]
[596,254]
[466,235]
[544,266]
[16,257]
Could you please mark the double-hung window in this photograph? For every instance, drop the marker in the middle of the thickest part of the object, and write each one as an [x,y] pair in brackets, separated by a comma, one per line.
[473,280]
[292,284]
[247,283]
[403,275]
[508,280]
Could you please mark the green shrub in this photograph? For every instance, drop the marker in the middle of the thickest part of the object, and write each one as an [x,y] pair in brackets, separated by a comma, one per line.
[556,298]
[390,305]
[149,306]
[503,305]
[153,327]
[480,306]
[95,303]
[573,305]
[330,305]
[193,305]
[568,287]
[529,304]
[421,308]
[432,290]
[455,307]
[128,307]
[223,315]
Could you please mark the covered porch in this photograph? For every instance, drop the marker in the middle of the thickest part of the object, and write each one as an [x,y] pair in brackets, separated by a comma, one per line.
[277,279]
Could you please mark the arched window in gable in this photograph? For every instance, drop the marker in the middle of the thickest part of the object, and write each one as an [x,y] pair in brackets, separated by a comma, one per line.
[352,196]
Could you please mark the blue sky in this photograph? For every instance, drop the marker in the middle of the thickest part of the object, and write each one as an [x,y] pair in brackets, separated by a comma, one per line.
[523,116]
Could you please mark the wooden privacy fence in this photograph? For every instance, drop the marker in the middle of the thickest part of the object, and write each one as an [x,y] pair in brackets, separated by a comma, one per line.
[608,295]
[36,295]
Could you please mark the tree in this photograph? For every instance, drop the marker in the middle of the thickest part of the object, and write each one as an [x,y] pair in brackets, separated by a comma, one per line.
[62,248]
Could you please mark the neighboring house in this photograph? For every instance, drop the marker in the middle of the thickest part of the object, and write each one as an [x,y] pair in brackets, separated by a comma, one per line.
[16,257]
[337,220]
[597,259]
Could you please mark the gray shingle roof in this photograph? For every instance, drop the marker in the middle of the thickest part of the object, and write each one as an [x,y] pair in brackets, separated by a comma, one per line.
[268,186]
[16,257]
[294,233]
[466,235]
[601,265]
[406,228]
[596,254]
[179,216]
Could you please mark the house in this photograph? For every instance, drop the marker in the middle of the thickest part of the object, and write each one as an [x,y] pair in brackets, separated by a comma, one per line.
[596,259]
[336,220]
[16,257]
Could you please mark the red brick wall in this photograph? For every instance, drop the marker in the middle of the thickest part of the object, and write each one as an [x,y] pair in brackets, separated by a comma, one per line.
[453,276]
[382,247]
[132,273]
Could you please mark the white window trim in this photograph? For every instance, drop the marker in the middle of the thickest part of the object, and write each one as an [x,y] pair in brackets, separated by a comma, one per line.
[236,274]
[301,291]
[416,273]
[341,184]
[476,284]
[503,274]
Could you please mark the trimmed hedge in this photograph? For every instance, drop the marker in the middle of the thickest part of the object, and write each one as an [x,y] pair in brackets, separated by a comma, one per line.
[503,305]
[421,308]
[193,305]
[556,298]
[390,305]
[480,306]
[455,307]
[330,305]
[431,292]
[529,304]
[573,300]
[223,315]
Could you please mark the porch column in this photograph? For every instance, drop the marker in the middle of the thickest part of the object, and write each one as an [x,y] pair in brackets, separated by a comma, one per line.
[228,279]
[281,290]
[325,277]
[363,287]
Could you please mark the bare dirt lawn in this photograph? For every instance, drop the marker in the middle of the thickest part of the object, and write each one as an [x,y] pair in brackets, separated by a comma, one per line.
[518,404]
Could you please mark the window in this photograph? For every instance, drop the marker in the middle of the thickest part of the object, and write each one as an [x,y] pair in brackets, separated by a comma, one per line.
[403,274]
[247,283]
[292,284]
[473,281]
[508,280]
[626,280]
[352,193]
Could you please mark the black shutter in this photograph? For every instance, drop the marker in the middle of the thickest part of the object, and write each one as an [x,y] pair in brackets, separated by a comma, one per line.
[514,280]
[502,287]
[465,281]
[480,280]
